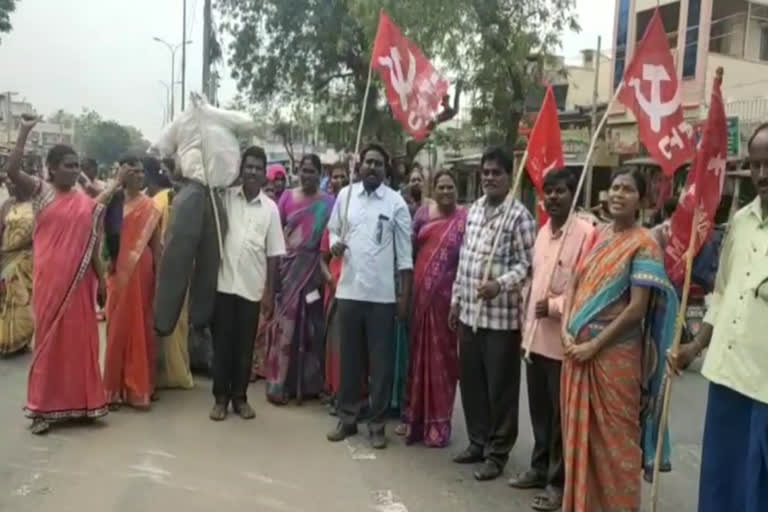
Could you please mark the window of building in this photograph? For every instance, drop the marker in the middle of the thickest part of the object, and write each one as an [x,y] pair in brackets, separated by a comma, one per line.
[621,43]
[690,54]
[756,45]
[670,17]
[728,28]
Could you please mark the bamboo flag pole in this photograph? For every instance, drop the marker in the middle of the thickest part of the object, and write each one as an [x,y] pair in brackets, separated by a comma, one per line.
[675,347]
[584,172]
[345,221]
[488,264]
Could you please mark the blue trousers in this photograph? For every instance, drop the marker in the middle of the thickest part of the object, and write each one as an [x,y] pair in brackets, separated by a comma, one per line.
[734,461]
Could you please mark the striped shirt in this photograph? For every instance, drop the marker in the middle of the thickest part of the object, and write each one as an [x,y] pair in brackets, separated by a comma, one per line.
[511,265]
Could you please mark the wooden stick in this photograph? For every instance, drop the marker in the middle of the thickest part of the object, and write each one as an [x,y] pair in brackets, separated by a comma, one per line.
[584,172]
[365,105]
[488,264]
[345,221]
[670,375]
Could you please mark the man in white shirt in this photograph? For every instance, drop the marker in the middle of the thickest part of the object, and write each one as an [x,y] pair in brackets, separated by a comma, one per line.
[252,246]
[370,227]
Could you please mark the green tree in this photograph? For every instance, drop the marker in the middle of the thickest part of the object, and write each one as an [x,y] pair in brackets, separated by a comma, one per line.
[319,52]
[512,43]
[85,128]
[6,8]
[287,50]
[108,142]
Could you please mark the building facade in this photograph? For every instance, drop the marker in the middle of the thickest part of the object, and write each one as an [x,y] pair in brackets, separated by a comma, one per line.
[703,35]
[44,136]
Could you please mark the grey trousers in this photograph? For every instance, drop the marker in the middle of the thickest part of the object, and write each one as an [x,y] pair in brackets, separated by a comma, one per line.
[190,259]
[367,332]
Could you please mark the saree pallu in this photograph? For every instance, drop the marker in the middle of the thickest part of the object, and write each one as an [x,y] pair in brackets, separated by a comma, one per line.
[258,371]
[610,404]
[64,378]
[434,361]
[295,354]
[400,374]
[173,368]
[17,324]
[130,361]
[332,335]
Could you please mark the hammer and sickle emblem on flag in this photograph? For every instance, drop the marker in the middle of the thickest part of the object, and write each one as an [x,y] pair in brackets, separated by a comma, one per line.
[402,84]
[655,107]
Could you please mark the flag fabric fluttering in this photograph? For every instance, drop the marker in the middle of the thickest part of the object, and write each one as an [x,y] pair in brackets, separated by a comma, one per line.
[651,90]
[414,88]
[545,148]
[703,188]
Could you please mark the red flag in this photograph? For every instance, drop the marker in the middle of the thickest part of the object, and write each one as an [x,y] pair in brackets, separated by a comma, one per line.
[703,188]
[414,88]
[545,149]
[651,91]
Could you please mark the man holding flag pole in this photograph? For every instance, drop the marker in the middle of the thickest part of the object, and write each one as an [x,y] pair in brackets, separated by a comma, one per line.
[734,460]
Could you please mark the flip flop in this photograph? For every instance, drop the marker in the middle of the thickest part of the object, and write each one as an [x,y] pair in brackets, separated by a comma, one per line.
[549,500]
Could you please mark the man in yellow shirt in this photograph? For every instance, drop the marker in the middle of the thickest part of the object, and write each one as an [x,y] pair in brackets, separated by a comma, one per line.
[734,462]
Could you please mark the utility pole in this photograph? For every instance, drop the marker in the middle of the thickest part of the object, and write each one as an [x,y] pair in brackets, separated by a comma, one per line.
[207,86]
[9,113]
[593,124]
[184,58]
[173,50]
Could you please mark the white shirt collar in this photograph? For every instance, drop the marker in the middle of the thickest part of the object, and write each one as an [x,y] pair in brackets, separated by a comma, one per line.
[255,200]
[379,192]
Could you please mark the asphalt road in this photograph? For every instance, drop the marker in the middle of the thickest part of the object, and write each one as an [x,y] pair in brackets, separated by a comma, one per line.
[174,459]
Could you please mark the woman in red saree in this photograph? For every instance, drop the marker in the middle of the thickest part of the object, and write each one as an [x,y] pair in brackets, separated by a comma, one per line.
[64,377]
[130,361]
[331,268]
[438,230]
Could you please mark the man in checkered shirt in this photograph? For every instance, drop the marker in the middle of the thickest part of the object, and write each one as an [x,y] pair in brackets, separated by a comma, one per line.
[490,355]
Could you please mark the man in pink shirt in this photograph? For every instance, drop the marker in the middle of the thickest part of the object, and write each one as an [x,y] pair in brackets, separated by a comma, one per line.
[552,271]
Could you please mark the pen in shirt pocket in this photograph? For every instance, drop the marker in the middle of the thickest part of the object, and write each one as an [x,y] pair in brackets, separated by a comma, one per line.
[380,228]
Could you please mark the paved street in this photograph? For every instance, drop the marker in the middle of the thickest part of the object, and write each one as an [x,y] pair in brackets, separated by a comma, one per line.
[173,459]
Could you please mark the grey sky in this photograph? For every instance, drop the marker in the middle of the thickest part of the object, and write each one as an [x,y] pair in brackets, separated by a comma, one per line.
[100,54]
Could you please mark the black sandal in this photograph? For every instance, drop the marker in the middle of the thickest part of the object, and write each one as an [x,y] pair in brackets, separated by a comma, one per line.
[39,427]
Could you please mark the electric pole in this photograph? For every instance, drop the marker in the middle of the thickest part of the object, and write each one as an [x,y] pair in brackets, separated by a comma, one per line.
[9,114]
[184,59]
[593,124]
[207,89]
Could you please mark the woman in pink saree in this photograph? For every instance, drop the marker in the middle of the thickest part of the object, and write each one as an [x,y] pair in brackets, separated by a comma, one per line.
[295,359]
[64,377]
[434,364]
[129,368]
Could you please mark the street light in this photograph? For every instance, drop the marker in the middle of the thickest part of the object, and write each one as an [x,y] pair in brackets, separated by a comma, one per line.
[172,49]
[166,119]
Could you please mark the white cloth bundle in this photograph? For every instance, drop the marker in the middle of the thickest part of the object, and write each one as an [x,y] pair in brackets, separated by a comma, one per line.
[205,140]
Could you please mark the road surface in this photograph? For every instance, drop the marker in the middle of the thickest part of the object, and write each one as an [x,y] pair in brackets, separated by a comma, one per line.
[174,459]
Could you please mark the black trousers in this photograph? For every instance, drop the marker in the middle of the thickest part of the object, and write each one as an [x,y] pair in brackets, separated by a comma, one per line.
[234,330]
[543,377]
[490,389]
[367,335]
[190,259]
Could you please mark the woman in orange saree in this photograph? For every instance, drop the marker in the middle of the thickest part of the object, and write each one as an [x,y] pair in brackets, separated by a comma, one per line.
[622,311]
[64,378]
[129,368]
